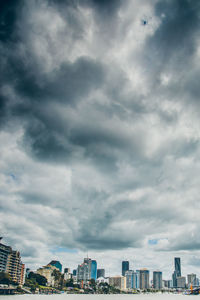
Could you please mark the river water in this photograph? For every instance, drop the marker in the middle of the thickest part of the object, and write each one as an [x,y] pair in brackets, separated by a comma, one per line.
[100,297]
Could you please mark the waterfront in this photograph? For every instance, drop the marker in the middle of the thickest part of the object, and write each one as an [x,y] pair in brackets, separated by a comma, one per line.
[157,296]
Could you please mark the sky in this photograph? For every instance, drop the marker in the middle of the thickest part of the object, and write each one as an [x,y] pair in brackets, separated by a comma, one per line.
[99,132]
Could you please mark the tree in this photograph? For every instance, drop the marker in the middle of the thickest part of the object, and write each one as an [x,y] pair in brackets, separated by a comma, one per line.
[37,278]
[5,278]
[70,283]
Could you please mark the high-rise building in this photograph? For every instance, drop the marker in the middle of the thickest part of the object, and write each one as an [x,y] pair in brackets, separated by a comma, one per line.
[177,271]
[177,263]
[74,272]
[181,282]
[56,264]
[10,262]
[118,282]
[4,253]
[144,279]
[136,279]
[129,279]
[191,279]
[83,273]
[23,274]
[93,270]
[167,284]
[87,270]
[157,280]
[100,273]
[125,267]
[14,266]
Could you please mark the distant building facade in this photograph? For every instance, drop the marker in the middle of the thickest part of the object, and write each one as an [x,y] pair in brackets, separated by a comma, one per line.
[157,280]
[10,262]
[129,279]
[93,270]
[191,279]
[56,264]
[118,282]
[87,270]
[181,282]
[47,272]
[100,273]
[136,279]
[144,279]
[125,267]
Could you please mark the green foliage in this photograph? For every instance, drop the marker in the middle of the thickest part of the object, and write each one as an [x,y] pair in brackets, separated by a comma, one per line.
[37,278]
[70,283]
[5,278]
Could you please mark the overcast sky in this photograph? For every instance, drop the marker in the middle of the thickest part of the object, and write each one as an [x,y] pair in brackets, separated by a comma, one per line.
[100,132]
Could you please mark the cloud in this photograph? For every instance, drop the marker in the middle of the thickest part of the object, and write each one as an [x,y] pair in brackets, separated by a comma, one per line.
[99,130]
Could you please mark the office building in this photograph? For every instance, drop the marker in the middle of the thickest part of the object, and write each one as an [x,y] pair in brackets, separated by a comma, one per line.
[167,284]
[144,279]
[56,264]
[177,263]
[74,272]
[177,271]
[136,279]
[93,270]
[157,280]
[181,282]
[100,273]
[129,279]
[125,267]
[118,282]
[87,270]
[83,273]
[191,279]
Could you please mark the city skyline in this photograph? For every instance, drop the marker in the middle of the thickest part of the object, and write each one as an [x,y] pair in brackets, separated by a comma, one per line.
[99,132]
[11,263]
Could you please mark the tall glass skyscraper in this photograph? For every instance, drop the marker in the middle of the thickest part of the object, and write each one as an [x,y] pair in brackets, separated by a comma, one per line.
[177,271]
[94,269]
[144,279]
[125,267]
[157,280]
[177,263]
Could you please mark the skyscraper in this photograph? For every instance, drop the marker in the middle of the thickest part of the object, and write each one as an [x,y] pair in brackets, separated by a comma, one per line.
[144,279]
[100,273]
[136,279]
[129,279]
[157,280]
[177,263]
[93,270]
[125,267]
[191,279]
[177,271]
[87,270]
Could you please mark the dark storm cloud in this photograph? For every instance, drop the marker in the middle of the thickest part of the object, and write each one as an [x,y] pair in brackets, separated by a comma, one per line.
[94,147]
[172,47]
[175,37]
[66,84]
[8,17]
